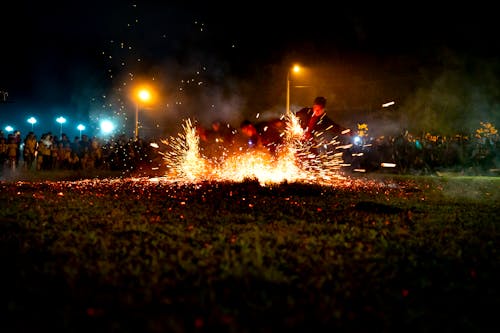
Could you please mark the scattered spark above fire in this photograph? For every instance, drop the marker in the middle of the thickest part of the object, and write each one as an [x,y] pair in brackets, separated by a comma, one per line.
[293,162]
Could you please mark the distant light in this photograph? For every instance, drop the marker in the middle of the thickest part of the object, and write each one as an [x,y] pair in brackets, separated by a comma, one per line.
[80,127]
[144,95]
[388,165]
[388,104]
[345,131]
[9,128]
[107,126]
[61,120]
[32,120]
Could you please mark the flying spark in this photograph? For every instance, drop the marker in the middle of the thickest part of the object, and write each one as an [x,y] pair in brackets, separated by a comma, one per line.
[293,162]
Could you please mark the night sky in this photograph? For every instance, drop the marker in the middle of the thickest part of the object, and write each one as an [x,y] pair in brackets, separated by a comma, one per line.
[206,61]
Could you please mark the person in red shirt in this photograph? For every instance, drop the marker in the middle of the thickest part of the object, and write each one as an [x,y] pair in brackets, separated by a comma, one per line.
[320,129]
[264,134]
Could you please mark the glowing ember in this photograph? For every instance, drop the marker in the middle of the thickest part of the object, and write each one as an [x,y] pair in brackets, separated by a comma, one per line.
[185,159]
[293,161]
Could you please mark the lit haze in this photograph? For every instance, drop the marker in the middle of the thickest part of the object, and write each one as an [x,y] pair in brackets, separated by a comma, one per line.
[82,61]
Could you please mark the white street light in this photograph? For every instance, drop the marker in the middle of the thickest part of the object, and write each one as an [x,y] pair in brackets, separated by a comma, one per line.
[9,128]
[80,127]
[32,121]
[61,121]
[107,126]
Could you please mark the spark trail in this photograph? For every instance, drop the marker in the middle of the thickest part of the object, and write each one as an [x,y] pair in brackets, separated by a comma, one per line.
[294,161]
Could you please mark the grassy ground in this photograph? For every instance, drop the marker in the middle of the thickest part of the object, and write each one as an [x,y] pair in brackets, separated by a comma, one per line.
[373,252]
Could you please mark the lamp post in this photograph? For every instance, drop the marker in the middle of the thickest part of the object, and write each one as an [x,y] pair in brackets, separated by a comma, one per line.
[143,95]
[61,121]
[80,127]
[296,69]
[136,130]
[287,110]
[32,121]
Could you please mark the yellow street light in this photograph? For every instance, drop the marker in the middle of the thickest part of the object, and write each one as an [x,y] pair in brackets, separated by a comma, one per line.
[295,69]
[143,95]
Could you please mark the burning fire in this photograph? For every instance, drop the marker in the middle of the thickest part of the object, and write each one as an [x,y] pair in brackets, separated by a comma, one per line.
[293,161]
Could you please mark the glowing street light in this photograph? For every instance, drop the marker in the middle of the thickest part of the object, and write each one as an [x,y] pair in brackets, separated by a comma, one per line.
[32,121]
[80,127]
[61,121]
[295,69]
[143,95]
[9,128]
[107,126]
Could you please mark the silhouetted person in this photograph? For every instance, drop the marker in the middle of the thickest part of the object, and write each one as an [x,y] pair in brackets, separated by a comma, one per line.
[320,129]
[267,134]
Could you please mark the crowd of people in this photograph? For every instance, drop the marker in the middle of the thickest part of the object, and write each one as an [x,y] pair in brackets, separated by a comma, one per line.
[428,154]
[404,152]
[401,153]
[221,137]
[50,152]
[321,133]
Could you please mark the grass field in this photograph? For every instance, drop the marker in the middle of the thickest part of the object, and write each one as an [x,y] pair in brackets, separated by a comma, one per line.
[370,253]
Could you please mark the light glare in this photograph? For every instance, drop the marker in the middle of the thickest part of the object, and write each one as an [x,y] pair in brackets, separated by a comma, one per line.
[107,126]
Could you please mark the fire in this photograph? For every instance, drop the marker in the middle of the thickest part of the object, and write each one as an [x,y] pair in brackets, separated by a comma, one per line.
[184,158]
[293,161]
[259,165]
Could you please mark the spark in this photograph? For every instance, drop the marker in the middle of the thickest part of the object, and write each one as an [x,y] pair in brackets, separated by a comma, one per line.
[293,161]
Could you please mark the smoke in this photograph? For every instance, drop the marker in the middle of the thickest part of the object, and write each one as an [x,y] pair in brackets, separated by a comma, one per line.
[479,189]
[455,99]
[449,95]
[206,70]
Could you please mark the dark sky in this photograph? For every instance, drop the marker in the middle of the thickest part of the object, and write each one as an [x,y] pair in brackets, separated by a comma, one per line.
[78,57]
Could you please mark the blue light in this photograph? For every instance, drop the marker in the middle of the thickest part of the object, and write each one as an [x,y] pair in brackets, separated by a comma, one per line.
[107,126]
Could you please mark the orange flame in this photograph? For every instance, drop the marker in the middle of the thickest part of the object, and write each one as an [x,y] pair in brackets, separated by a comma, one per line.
[293,161]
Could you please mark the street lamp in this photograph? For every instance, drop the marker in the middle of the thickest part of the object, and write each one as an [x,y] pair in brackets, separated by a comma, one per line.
[61,120]
[107,126]
[9,128]
[32,121]
[80,127]
[296,69]
[143,95]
